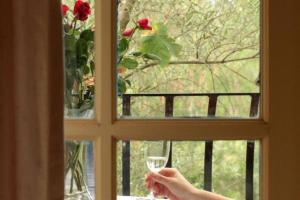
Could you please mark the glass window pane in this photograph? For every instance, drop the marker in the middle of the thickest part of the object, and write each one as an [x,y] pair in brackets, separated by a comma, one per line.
[228,164]
[147,107]
[233,106]
[79,170]
[188,48]
[78,26]
[190,106]
[230,177]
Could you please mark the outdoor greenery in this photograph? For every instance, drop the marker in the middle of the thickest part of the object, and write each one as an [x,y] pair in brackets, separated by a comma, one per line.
[218,51]
[229,166]
[175,46]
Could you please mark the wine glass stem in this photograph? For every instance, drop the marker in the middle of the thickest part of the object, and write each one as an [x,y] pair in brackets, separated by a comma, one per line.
[151,194]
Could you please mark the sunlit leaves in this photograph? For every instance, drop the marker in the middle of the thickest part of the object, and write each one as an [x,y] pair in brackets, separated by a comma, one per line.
[121,85]
[159,45]
[122,45]
[129,63]
[151,56]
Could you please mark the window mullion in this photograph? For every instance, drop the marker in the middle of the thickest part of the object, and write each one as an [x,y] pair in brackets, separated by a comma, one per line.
[104,62]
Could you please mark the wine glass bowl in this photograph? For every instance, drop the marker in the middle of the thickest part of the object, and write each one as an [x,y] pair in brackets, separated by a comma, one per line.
[156,154]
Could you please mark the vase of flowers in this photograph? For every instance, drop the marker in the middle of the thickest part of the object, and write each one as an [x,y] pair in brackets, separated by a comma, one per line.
[79,60]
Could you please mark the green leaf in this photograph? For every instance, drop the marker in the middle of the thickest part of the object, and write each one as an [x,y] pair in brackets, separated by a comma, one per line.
[69,79]
[66,28]
[137,54]
[70,43]
[81,61]
[129,63]
[151,56]
[87,35]
[128,82]
[92,66]
[173,46]
[156,45]
[121,86]
[70,59]
[79,75]
[81,48]
[160,45]
[122,45]
[161,29]
[86,70]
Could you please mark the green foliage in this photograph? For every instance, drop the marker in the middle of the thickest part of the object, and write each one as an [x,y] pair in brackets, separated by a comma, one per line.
[79,64]
[69,43]
[122,45]
[156,46]
[129,63]
[159,46]
[121,85]
[229,166]
[223,35]
[151,56]
[87,35]
[79,61]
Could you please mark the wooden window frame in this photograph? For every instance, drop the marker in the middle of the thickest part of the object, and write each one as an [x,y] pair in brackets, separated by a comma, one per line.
[105,130]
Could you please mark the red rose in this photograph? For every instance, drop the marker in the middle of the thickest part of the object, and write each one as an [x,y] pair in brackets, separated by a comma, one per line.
[143,24]
[81,10]
[64,9]
[128,32]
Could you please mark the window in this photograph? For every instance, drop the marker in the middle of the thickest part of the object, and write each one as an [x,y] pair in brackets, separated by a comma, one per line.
[107,126]
[169,50]
[230,168]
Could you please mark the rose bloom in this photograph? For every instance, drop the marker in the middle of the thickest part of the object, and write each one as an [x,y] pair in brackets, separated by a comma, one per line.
[81,10]
[64,9]
[144,24]
[128,32]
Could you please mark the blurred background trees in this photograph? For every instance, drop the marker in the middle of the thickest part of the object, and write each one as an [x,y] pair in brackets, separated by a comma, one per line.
[220,52]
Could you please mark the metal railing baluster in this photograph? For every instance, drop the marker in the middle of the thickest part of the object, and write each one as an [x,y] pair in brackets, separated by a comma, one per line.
[249,169]
[169,106]
[250,151]
[126,100]
[212,104]
[126,168]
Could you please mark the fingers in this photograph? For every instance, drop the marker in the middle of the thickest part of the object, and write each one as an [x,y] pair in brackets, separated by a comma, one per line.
[160,190]
[168,171]
[156,177]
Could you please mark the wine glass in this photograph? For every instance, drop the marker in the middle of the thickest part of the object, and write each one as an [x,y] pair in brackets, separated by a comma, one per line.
[157,154]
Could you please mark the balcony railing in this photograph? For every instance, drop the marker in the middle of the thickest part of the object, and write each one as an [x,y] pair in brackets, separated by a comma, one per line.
[211,112]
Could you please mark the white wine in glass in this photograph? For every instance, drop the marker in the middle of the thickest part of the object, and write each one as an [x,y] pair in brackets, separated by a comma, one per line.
[157,154]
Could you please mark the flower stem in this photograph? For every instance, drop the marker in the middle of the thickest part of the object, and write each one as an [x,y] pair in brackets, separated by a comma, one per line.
[129,39]
[74,25]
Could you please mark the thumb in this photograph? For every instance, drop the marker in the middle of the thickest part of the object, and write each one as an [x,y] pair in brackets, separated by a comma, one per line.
[160,178]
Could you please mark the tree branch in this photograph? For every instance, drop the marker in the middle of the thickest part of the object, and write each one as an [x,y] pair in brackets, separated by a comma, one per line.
[193,62]
[125,9]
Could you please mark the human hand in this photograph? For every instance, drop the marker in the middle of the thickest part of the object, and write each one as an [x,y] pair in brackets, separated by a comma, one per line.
[169,182]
